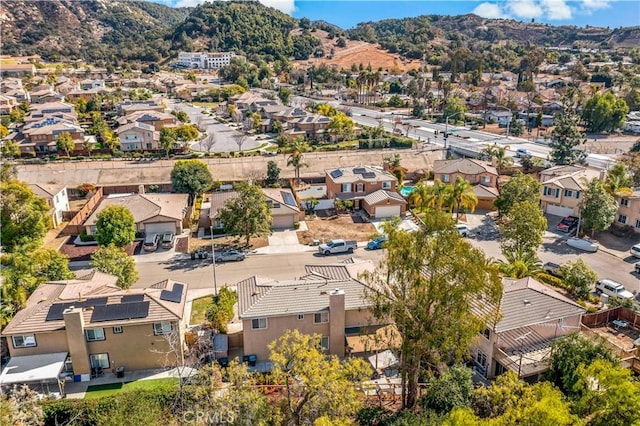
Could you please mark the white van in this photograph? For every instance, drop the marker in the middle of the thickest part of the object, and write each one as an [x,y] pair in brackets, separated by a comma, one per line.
[613,289]
[635,250]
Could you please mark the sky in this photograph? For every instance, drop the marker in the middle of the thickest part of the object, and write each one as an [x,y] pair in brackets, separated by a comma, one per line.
[347,14]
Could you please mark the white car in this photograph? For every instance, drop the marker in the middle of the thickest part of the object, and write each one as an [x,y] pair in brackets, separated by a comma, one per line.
[581,244]
[463,230]
[635,250]
[613,289]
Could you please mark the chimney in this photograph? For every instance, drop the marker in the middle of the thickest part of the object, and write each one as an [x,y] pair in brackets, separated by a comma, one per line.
[76,342]
[603,175]
[385,166]
[337,320]
[140,189]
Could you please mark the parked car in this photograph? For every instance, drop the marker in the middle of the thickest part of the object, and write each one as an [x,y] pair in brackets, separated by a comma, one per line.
[552,268]
[637,268]
[521,152]
[337,246]
[568,224]
[168,238]
[230,256]
[635,250]
[462,229]
[581,244]
[376,244]
[612,288]
[151,242]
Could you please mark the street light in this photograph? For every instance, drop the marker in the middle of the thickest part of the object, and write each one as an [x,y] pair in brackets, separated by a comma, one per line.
[213,262]
[446,126]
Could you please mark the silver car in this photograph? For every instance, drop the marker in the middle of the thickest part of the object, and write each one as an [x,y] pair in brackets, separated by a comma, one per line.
[230,256]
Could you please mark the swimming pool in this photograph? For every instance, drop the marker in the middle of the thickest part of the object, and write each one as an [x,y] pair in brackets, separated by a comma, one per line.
[406,190]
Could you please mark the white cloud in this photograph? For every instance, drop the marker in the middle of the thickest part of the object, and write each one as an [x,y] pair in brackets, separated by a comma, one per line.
[556,10]
[526,9]
[591,5]
[286,6]
[489,10]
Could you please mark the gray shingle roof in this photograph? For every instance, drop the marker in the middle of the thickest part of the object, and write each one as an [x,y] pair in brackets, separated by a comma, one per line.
[381,195]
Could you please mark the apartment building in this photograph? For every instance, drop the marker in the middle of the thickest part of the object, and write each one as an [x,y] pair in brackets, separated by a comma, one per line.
[205,60]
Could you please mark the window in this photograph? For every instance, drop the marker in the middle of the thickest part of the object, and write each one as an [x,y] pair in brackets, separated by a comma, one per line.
[276,205]
[486,179]
[622,218]
[577,194]
[624,202]
[360,187]
[445,178]
[93,229]
[99,360]
[160,328]
[486,333]
[346,187]
[324,343]
[24,341]
[386,185]
[300,316]
[321,317]
[568,193]
[94,334]
[481,359]
[637,223]
[557,192]
[258,324]
[117,329]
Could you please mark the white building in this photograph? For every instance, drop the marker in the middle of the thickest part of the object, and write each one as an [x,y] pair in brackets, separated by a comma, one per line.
[205,60]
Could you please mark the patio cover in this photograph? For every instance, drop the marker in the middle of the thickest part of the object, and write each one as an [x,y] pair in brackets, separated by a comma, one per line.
[383,360]
[33,368]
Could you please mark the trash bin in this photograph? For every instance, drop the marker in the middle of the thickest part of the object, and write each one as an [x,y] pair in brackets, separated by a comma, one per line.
[120,372]
[252,360]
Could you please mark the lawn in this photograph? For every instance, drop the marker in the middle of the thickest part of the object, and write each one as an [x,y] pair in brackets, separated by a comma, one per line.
[199,309]
[100,391]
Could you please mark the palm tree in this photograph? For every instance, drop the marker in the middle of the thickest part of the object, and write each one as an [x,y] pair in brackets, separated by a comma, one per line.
[296,158]
[521,264]
[618,182]
[420,195]
[461,196]
[437,197]
[500,154]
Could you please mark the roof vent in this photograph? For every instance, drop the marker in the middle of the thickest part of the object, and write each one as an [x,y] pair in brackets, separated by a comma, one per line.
[527,302]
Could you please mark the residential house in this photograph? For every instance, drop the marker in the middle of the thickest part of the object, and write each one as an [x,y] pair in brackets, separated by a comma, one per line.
[51,109]
[530,317]
[56,197]
[129,107]
[281,202]
[89,84]
[45,95]
[328,301]
[7,104]
[138,137]
[562,187]
[370,188]
[629,210]
[77,95]
[17,70]
[21,94]
[40,137]
[152,213]
[313,126]
[84,327]
[65,87]
[152,118]
[482,175]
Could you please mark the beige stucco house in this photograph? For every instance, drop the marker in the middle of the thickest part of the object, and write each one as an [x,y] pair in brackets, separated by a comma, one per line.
[562,187]
[629,210]
[56,197]
[153,213]
[85,327]
[328,301]
[137,136]
[482,175]
[531,316]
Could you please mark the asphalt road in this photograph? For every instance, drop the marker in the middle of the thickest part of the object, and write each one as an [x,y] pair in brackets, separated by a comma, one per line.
[199,273]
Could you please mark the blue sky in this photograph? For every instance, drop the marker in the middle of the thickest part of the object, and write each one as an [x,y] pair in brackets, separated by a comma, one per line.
[346,14]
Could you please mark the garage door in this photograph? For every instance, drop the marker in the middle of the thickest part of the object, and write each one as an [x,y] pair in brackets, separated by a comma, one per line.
[387,211]
[159,228]
[559,210]
[281,221]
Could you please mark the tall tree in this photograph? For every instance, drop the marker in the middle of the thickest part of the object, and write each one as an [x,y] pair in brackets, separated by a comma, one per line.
[10,149]
[167,139]
[115,225]
[425,285]
[64,142]
[192,177]
[315,385]
[296,156]
[115,261]
[499,152]
[604,112]
[598,208]
[519,188]
[521,230]
[566,138]
[23,215]
[247,215]
[273,174]
[461,196]
[578,277]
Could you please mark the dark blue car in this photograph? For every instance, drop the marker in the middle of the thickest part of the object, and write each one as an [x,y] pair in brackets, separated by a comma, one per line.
[376,244]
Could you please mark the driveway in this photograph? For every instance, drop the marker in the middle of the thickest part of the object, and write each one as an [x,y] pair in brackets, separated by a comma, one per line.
[406,224]
[285,241]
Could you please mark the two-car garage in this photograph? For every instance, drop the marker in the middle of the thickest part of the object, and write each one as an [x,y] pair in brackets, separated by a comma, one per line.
[383,204]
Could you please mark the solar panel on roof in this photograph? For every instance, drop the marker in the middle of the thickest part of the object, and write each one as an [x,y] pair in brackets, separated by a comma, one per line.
[336,173]
[359,170]
[132,298]
[174,295]
[120,311]
[56,310]
[288,199]
[368,175]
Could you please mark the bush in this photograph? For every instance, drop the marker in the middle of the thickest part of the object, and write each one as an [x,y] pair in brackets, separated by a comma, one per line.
[221,312]
[296,225]
[86,238]
[401,143]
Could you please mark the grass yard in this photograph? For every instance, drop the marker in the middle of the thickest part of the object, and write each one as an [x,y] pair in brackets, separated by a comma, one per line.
[342,226]
[100,391]
[199,309]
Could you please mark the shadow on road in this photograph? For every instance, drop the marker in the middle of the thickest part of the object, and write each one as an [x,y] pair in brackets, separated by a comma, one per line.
[186,264]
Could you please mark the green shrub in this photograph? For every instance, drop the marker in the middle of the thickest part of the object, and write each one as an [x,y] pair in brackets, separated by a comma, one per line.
[296,225]
[86,238]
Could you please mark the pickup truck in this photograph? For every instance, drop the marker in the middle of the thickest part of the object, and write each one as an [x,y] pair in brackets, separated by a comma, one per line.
[337,246]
